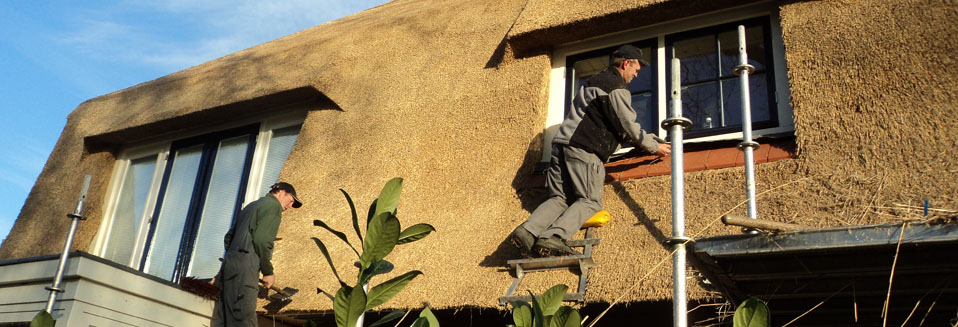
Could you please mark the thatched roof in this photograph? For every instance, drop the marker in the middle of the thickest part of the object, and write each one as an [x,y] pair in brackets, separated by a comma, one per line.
[433,91]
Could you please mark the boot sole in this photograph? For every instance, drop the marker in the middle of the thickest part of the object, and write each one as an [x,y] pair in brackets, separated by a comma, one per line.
[523,250]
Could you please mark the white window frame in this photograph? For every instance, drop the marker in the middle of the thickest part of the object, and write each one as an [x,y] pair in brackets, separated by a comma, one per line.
[162,150]
[557,78]
[120,168]
[262,149]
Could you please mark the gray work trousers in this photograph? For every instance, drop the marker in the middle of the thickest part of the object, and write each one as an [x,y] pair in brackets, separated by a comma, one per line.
[575,178]
[239,281]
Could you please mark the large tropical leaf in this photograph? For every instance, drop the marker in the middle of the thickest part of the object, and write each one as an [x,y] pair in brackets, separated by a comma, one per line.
[414,233]
[350,303]
[322,248]
[551,300]
[352,209]
[538,318]
[371,213]
[375,268]
[429,317]
[751,313]
[388,318]
[388,198]
[381,237]
[42,319]
[321,291]
[381,293]
[338,234]
[420,322]
[521,314]
[566,317]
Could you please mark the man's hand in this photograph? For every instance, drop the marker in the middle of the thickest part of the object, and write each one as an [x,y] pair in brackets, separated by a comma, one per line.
[269,280]
[664,150]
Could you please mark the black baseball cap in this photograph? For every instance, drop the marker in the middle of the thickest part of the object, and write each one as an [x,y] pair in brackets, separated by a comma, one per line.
[629,51]
[289,189]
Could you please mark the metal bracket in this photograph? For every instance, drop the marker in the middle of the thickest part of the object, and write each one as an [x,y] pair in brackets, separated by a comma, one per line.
[746,67]
[748,144]
[678,240]
[681,121]
[73,215]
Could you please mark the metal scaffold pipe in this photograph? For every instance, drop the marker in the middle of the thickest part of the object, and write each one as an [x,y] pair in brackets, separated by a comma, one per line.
[675,125]
[747,145]
[75,217]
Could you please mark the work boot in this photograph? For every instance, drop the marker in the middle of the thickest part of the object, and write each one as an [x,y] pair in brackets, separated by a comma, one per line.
[553,247]
[523,240]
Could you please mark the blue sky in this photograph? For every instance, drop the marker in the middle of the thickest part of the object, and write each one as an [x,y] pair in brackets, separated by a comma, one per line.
[56,54]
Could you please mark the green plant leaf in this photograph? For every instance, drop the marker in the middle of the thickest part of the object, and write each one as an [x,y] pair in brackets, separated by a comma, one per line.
[375,268]
[42,319]
[429,316]
[322,248]
[381,237]
[350,303]
[420,322]
[538,319]
[352,209]
[372,212]
[414,233]
[341,300]
[552,298]
[388,318]
[321,291]
[751,313]
[388,198]
[521,314]
[388,289]
[338,234]
[566,316]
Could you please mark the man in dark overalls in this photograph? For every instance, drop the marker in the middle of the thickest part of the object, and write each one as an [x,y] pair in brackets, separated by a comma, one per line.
[249,248]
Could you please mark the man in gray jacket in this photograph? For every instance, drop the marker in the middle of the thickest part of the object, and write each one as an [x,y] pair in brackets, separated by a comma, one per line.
[601,117]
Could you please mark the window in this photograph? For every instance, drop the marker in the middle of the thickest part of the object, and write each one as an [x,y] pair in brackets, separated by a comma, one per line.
[707,47]
[172,203]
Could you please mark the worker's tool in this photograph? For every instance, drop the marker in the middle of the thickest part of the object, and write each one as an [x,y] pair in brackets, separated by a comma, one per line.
[282,294]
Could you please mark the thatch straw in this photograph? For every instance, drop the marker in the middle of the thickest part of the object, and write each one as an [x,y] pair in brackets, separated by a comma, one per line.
[434,91]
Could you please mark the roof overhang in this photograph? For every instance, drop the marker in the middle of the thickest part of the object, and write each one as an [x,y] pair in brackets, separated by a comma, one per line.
[840,276]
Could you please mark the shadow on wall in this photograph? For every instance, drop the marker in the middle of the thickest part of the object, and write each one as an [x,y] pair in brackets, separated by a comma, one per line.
[531,193]
[642,219]
[530,196]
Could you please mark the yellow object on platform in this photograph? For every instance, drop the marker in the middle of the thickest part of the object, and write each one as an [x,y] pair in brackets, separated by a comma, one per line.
[598,219]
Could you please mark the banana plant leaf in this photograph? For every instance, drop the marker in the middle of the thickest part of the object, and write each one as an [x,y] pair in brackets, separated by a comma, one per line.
[381,293]
[414,233]
[322,248]
[338,234]
[381,237]
[352,209]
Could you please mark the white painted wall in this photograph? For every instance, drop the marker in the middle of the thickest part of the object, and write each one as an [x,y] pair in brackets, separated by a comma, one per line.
[96,293]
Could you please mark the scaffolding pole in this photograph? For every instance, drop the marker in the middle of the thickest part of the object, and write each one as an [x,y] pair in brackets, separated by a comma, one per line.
[747,145]
[75,217]
[675,125]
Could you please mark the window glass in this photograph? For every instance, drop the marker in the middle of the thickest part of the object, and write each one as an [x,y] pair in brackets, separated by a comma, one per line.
[280,145]
[164,246]
[711,96]
[128,215]
[755,49]
[203,182]
[642,86]
[219,206]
